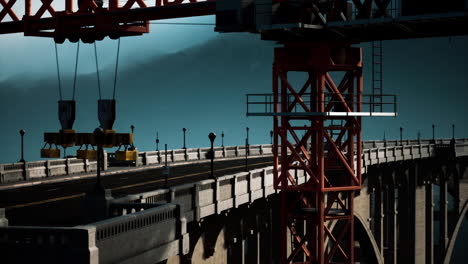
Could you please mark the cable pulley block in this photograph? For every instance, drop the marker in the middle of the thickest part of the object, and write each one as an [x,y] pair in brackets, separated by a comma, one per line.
[67,113]
[106,113]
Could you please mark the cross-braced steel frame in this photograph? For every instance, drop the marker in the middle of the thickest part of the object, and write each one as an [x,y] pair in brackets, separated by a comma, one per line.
[325,151]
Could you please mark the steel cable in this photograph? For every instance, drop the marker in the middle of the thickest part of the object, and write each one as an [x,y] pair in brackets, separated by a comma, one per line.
[76,69]
[116,69]
[97,70]
[58,71]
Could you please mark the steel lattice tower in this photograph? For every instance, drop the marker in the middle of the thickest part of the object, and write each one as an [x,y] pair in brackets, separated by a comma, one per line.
[309,208]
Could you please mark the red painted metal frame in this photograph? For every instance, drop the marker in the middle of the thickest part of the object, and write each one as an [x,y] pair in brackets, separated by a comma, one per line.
[130,18]
[332,175]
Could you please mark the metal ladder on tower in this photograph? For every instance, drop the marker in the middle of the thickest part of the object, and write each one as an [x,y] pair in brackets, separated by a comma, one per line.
[377,83]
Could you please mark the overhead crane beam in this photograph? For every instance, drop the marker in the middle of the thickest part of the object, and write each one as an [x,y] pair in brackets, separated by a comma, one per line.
[67,22]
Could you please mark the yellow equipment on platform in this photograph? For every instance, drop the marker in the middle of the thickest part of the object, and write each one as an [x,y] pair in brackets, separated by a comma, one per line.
[125,140]
[126,155]
[50,153]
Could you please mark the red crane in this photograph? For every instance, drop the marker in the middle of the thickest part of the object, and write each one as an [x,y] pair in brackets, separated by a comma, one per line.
[317,38]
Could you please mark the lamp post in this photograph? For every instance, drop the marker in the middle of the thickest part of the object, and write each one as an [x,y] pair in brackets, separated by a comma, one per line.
[271,137]
[212,137]
[165,168]
[157,141]
[132,127]
[401,136]
[452,142]
[433,133]
[384,139]
[22,132]
[99,136]
[246,148]
[184,130]
[246,153]
[222,139]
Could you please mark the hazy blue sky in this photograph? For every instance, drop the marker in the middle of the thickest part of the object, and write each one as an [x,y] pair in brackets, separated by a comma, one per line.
[190,76]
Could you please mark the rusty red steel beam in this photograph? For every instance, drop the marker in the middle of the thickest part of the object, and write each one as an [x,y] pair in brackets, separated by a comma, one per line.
[177,9]
[7,9]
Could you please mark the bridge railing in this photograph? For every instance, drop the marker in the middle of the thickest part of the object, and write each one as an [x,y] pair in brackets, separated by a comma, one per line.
[15,172]
[212,196]
[155,233]
[158,231]
[20,244]
[195,154]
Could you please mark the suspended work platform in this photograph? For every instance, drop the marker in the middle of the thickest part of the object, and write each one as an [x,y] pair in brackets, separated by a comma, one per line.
[264,105]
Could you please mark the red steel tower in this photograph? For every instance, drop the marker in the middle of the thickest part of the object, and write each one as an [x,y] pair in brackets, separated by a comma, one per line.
[325,151]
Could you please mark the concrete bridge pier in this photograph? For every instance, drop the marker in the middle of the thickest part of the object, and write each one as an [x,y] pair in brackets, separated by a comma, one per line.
[378,209]
[390,218]
[234,238]
[417,193]
[429,221]
[406,211]
[443,212]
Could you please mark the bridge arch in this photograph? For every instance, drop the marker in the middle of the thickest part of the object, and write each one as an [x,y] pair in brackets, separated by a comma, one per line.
[367,238]
[453,238]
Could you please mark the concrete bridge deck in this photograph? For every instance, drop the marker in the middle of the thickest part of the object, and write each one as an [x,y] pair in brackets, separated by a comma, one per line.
[194,202]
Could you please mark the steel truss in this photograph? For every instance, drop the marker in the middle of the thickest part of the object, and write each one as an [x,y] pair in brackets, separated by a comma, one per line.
[325,151]
[88,21]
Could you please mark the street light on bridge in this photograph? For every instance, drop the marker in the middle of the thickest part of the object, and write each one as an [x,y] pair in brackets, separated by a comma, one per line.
[246,148]
[211,155]
[184,130]
[271,137]
[401,136]
[222,139]
[99,136]
[453,131]
[22,132]
[166,169]
[157,141]
[384,139]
